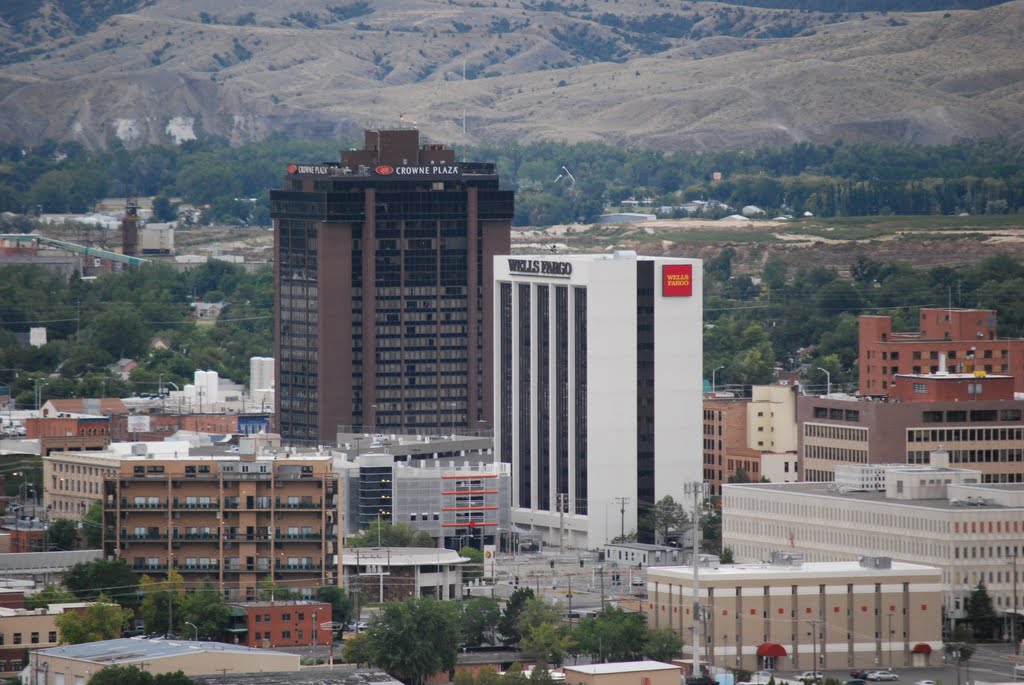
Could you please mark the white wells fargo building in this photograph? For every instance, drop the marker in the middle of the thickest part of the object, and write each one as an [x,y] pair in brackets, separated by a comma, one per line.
[597,371]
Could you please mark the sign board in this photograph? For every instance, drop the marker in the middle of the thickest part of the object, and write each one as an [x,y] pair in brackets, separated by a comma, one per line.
[138,423]
[540,267]
[490,551]
[677,280]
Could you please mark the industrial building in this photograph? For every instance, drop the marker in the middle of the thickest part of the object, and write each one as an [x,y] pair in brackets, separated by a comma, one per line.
[383,272]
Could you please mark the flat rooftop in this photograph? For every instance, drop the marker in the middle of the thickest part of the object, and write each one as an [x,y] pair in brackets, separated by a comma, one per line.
[129,650]
[621,667]
[878,497]
[817,569]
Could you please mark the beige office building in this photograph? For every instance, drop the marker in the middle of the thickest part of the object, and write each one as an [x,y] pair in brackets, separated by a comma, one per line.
[75,664]
[73,481]
[932,515]
[791,615]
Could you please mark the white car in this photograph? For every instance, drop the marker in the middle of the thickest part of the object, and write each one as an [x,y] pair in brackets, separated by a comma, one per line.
[881,675]
[814,676]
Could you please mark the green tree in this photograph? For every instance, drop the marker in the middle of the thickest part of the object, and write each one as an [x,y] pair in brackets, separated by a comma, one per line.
[50,594]
[480,617]
[541,675]
[161,603]
[669,519]
[163,210]
[87,580]
[662,644]
[414,639]
[358,650]
[615,635]
[980,614]
[103,620]
[132,675]
[204,608]
[727,555]
[62,534]
[508,626]
[514,675]
[475,568]
[537,613]
[547,643]
[340,601]
[387,534]
[92,526]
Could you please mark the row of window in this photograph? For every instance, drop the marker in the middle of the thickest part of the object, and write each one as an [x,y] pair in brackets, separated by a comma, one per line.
[817,430]
[16,638]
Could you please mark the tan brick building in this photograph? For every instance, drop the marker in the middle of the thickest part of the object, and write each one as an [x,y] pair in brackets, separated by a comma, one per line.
[230,520]
[26,630]
[789,614]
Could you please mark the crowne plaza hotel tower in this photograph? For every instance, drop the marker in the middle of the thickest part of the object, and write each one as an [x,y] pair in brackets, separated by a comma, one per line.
[384,277]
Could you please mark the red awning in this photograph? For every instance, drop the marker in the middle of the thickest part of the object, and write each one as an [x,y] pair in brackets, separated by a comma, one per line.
[922,648]
[771,649]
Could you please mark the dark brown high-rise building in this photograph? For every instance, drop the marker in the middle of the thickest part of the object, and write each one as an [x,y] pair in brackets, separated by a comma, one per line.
[383,277]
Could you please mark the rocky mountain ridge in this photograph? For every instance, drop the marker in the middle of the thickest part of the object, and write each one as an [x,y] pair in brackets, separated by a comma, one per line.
[653,73]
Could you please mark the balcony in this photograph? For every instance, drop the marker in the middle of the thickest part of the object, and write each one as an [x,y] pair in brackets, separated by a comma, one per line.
[126,504]
[298,536]
[197,537]
[145,537]
[297,505]
[197,505]
[283,568]
[161,566]
[197,568]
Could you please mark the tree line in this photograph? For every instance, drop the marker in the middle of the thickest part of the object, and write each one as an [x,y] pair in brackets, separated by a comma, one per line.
[805,316]
[92,324]
[232,184]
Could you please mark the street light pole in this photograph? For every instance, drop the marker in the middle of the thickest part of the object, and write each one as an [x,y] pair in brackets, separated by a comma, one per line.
[828,380]
[698,489]
[315,625]
[189,623]
[1013,620]
[713,372]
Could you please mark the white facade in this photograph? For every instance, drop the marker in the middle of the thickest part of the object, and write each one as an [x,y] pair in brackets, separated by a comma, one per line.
[597,371]
[936,516]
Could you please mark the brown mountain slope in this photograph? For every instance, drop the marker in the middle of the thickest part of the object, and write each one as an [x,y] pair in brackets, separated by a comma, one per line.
[700,75]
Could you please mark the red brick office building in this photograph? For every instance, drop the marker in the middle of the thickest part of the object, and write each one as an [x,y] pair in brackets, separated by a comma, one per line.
[967,338]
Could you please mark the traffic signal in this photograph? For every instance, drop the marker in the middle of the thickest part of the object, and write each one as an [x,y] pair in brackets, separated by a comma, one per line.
[551,563]
[581,563]
[517,581]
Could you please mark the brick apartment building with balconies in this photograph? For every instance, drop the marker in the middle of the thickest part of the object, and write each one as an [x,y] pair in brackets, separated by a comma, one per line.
[232,521]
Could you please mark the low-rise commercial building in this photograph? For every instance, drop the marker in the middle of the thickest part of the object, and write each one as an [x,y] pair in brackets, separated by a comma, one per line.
[623,673]
[382,574]
[976,417]
[75,664]
[25,630]
[791,614]
[932,515]
[281,624]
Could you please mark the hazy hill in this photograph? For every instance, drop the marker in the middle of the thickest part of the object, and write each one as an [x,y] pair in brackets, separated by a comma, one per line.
[645,72]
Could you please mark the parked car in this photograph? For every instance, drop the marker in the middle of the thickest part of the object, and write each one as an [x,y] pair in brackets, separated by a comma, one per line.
[809,676]
[882,675]
[860,673]
[858,681]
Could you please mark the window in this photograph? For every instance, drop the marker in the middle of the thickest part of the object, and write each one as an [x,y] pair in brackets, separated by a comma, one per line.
[52,637]
[17,638]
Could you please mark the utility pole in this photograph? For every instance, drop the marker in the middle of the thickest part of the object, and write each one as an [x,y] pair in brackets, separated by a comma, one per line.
[561,498]
[698,489]
[622,501]
[569,596]
[600,572]
[814,646]
[1013,621]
